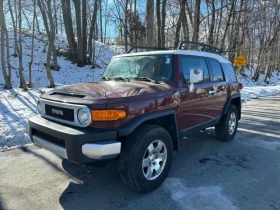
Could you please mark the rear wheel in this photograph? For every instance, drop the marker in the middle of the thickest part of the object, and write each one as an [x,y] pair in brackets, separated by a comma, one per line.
[227,127]
[146,158]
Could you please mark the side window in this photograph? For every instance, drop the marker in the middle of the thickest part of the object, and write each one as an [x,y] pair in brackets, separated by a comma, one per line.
[216,70]
[192,63]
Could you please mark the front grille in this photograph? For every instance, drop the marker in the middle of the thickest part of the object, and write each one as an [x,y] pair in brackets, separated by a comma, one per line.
[49,138]
[60,112]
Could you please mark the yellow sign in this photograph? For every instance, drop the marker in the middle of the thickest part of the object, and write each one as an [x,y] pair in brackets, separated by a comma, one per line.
[240,61]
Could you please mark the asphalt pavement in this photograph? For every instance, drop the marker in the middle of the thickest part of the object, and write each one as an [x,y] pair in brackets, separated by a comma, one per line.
[206,173]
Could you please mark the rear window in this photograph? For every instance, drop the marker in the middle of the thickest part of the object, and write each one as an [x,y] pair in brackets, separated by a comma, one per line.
[216,69]
[229,72]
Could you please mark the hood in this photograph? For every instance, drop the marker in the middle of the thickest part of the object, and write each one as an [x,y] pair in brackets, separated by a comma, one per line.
[104,90]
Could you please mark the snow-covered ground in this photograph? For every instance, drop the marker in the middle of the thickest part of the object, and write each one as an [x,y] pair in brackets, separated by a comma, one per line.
[17,106]
[258,89]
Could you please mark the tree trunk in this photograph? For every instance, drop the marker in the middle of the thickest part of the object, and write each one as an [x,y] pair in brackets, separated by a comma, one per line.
[163,16]
[212,25]
[7,78]
[14,21]
[20,71]
[77,5]
[126,26]
[178,29]
[101,27]
[55,16]
[51,36]
[185,21]
[91,35]
[84,16]
[150,23]
[158,23]
[66,11]
[196,20]
[232,8]
[135,13]
[48,67]
[32,47]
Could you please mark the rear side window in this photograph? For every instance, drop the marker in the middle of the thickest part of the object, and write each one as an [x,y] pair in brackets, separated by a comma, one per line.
[216,69]
[193,63]
[229,72]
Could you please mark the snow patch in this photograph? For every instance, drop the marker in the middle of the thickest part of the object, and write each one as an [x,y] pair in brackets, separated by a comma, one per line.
[202,198]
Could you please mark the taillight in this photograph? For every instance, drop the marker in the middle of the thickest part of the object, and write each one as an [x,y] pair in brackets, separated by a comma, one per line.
[240,86]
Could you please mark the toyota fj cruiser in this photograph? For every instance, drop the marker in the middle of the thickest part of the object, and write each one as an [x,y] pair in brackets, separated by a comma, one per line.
[144,104]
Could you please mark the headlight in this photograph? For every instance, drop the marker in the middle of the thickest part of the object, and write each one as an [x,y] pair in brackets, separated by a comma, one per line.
[84,116]
[40,107]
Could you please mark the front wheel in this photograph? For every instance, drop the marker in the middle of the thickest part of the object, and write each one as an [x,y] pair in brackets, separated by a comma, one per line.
[146,158]
[227,127]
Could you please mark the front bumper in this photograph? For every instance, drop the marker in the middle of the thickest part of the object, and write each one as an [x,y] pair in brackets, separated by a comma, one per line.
[79,145]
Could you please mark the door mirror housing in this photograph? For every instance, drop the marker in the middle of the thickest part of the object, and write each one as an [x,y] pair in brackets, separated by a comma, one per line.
[196,76]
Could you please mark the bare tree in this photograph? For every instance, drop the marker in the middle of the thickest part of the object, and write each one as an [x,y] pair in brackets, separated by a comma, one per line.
[196,20]
[150,22]
[84,20]
[14,18]
[32,45]
[158,22]
[20,70]
[91,35]
[4,35]
[45,8]
[163,16]
[68,24]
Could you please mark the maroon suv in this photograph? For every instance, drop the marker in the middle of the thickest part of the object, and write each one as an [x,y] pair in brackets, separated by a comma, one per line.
[145,103]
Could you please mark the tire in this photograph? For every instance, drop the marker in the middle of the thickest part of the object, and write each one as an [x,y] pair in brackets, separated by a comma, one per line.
[224,131]
[135,149]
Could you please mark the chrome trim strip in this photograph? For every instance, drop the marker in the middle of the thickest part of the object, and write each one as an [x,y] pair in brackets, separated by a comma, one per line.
[102,150]
[49,146]
[76,107]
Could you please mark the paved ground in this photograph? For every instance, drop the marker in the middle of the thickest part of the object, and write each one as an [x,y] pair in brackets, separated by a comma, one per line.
[206,174]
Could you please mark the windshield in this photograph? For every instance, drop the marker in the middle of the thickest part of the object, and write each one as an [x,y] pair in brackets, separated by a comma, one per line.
[156,67]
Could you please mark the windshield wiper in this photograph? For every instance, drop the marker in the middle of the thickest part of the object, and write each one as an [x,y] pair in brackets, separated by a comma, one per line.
[121,78]
[147,79]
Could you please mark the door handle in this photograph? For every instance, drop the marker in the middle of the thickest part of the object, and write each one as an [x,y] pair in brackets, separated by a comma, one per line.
[212,92]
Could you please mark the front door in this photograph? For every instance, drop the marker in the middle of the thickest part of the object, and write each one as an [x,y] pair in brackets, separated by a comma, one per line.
[203,104]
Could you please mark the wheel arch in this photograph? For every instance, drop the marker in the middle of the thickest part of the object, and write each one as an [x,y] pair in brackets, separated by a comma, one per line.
[165,119]
[236,101]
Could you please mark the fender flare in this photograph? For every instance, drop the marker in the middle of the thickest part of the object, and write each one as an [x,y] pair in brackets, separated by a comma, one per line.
[226,106]
[131,125]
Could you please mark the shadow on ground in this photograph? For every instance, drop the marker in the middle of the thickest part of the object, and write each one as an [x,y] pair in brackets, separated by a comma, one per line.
[205,174]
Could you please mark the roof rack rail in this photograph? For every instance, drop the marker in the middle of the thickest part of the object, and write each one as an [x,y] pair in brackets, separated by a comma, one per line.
[144,48]
[204,47]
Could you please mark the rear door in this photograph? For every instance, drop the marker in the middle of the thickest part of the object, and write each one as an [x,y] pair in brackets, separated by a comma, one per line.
[218,89]
[198,106]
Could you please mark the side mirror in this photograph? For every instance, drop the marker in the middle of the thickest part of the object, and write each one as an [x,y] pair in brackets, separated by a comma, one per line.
[196,76]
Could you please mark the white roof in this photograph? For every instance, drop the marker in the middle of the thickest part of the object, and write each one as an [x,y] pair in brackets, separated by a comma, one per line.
[221,59]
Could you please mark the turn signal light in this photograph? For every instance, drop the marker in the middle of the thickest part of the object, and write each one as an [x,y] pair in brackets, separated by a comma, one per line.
[108,115]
